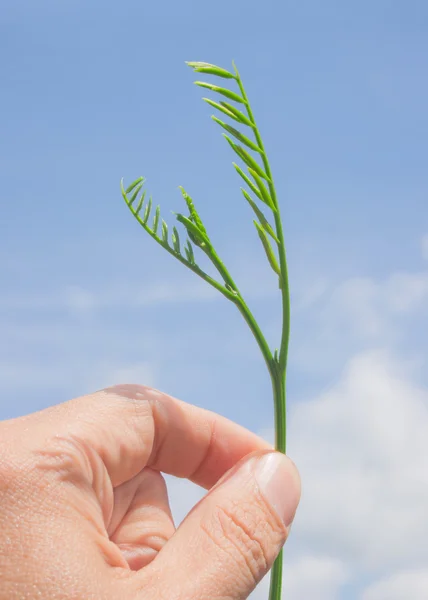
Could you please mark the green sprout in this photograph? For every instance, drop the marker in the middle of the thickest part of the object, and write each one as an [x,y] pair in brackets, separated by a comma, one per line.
[256,174]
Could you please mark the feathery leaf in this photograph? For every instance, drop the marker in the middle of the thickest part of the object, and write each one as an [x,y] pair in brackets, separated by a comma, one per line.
[224,91]
[175,240]
[238,115]
[189,253]
[265,194]
[133,184]
[239,136]
[156,220]
[247,158]
[194,215]
[248,181]
[263,221]
[147,211]
[218,106]
[140,203]
[164,232]
[197,236]
[203,67]
[268,248]
[132,199]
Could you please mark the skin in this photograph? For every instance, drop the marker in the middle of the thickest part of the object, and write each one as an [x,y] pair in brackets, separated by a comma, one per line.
[85,511]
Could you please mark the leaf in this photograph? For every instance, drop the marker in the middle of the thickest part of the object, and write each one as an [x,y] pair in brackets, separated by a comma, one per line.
[194,215]
[175,240]
[203,67]
[268,248]
[147,211]
[131,187]
[156,220]
[242,138]
[247,158]
[189,253]
[224,91]
[265,194]
[141,202]
[248,181]
[263,221]
[135,194]
[164,232]
[197,236]
[238,115]
[219,106]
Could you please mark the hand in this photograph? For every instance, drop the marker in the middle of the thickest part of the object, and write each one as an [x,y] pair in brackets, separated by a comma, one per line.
[85,512]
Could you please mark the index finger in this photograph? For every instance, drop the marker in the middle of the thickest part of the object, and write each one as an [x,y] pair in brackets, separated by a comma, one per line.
[189,441]
[130,427]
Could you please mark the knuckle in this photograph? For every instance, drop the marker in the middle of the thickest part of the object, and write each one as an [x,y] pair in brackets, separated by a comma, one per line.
[67,459]
[247,534]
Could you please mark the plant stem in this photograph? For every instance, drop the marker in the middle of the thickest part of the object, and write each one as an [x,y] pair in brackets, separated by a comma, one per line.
[279,393]
[278,366]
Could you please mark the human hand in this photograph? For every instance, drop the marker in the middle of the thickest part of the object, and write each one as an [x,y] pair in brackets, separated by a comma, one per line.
[85,512]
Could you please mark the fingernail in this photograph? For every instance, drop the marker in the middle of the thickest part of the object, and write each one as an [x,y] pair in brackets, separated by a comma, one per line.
[279,482]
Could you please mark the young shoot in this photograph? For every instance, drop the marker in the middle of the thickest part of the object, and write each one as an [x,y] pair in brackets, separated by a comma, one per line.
[260,194]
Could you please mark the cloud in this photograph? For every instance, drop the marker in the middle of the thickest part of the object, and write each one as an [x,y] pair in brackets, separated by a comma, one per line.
[340,319]
[362,448]
[314,577]
[411,584]
[80,299]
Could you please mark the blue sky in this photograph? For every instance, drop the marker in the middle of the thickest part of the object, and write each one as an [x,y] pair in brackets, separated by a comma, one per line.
[92,92]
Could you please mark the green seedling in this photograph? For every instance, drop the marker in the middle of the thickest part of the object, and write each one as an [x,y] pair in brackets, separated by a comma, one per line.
[261,196]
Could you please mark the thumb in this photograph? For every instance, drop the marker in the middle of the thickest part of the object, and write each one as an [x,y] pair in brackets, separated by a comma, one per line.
[231,538]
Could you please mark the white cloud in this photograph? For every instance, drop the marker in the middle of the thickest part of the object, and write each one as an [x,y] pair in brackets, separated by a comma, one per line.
[353,315]
[407,585]
[79,299]
[308,577]
[362,449]
[314,577]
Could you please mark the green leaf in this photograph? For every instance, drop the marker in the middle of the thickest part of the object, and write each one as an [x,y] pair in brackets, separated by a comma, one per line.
[224,91]
[164,232]
[203,67]
[141,202]
[194,215]
[156,220]
[238,115]
[268,248]
[147,211]
[247,158]
[175,240]
[263,221]
[265,194]
[248,181]
[197,236]
[131,187]
[219,107]
[135,194]
[189,253]
[239,136]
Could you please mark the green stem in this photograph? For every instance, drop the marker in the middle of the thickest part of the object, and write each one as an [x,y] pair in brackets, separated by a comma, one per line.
[242,306]
[284,284]
[278,367]
[278,376]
